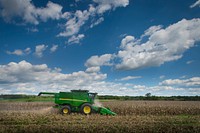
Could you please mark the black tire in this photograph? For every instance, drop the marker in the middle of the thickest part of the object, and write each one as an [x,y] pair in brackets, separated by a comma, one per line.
[65,110]
[86,109]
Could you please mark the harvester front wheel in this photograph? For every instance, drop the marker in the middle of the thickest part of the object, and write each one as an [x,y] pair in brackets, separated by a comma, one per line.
[86,109]
[66,110]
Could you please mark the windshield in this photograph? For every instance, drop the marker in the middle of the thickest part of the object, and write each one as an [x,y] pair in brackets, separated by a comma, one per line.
[92,95]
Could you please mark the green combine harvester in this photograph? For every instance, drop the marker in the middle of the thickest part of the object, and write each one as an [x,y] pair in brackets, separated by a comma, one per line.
[77,101]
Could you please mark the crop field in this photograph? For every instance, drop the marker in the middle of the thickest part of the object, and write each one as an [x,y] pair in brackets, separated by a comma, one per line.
[132,116]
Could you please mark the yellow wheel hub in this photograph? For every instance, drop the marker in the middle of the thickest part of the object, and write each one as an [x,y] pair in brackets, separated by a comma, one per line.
[65,111]
[87,109]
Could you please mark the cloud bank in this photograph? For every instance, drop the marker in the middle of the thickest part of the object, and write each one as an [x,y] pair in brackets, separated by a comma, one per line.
[26,78]
[25,12]
[162,45]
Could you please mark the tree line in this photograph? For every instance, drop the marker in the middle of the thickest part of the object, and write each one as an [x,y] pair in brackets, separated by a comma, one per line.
[148,96]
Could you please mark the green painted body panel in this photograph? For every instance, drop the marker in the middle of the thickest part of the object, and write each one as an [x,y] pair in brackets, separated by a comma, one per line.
[73,98]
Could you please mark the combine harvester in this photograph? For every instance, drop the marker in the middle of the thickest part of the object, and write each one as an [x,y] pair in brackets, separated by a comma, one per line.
[77,101]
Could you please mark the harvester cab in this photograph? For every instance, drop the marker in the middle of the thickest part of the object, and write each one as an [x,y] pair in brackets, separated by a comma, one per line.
[77,101]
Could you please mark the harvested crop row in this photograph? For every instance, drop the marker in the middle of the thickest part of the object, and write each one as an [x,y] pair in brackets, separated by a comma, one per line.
[133,116]
[28,122]
[120,107]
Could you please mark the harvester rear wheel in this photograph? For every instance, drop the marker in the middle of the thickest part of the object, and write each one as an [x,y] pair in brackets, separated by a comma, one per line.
[66,110]
[86,109]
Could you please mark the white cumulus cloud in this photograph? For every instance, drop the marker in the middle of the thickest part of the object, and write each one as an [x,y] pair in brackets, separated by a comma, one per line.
[163,45]
[99,60]
[19,52]
[26,78]
[194,81]
[189,62]
[76,39]
[152,30]
[74,24]
[79,18]
[52,11]
[53,48]
[15,52]
[105,5]
[93,69]
[28,12]
[97,22]
[197,3]
[24,11]
[130,78]
[39,49]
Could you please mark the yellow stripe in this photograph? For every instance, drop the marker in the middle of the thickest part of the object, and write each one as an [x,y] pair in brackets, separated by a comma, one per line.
[72,99]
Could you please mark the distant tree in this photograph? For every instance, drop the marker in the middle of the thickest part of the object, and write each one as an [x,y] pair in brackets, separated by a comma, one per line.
[148,95]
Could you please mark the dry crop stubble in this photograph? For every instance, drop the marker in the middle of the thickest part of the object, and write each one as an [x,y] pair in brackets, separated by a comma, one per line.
[133,116]
[154,107]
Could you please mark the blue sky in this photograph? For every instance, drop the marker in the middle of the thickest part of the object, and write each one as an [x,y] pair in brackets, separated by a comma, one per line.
[112,47]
